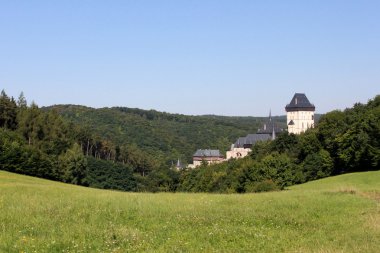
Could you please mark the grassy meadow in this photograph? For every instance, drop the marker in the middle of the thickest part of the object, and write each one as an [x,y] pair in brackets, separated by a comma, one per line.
[337,214]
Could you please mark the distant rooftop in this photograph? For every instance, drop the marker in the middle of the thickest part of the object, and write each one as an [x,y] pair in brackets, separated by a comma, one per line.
[300,102]
[207,153]
[251,139]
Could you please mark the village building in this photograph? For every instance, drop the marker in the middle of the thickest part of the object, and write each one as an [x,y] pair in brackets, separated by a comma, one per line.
[208,156]
[300,114]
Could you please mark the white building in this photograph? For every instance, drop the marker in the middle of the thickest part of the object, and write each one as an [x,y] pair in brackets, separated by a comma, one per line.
[237,152]
[300,114]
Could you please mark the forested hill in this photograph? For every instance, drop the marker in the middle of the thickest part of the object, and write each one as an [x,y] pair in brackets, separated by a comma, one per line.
[164,136]
[130,149]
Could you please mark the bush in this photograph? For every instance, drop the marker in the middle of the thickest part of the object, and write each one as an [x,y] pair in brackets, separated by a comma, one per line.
[263,186]
[109,175]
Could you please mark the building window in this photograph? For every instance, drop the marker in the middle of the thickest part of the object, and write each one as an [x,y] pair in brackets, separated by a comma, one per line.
[312,117]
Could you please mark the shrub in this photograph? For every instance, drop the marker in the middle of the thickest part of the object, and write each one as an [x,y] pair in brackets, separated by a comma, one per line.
[263,186]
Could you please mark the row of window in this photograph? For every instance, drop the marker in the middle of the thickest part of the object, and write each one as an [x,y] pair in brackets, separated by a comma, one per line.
[305,117]
[308,125]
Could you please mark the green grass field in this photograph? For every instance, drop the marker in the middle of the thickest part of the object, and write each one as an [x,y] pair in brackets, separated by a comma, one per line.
[338,214]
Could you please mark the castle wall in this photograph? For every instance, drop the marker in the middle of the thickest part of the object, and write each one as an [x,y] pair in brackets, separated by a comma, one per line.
[237,153]
[303,120]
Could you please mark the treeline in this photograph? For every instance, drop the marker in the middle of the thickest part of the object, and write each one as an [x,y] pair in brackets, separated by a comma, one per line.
[131,149]
[342,142]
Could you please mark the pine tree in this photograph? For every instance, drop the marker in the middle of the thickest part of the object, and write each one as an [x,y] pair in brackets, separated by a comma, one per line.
[21,102]
[8,112]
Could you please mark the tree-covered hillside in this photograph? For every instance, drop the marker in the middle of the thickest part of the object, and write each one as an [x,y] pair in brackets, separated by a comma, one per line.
[131,149]
[164,136]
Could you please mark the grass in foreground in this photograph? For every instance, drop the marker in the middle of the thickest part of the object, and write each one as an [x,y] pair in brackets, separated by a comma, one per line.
[338,214]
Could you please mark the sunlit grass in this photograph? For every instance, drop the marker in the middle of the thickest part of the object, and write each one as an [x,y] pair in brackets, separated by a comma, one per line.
[338,214]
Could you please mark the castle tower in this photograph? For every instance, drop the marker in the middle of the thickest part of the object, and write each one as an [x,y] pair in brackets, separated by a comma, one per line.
[300,114]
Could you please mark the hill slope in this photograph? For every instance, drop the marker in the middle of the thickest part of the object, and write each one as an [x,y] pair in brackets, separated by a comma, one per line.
[338,214]
[164,135]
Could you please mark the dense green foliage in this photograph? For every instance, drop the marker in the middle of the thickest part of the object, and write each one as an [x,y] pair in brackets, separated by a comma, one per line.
[106,175]
[336,214]
[163,136]
[132,149]
[43,144]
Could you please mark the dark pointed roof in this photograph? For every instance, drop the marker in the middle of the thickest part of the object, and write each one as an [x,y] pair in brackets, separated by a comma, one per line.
[299,103]
[291,122]
[179,164]
[269,126]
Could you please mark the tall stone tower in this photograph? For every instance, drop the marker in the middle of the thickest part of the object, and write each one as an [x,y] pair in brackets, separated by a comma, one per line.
[300,114]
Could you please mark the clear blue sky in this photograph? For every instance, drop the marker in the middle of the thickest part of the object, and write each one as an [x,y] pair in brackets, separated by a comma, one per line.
[193,57]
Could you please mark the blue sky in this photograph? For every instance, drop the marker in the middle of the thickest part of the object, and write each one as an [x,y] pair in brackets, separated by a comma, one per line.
[192,57]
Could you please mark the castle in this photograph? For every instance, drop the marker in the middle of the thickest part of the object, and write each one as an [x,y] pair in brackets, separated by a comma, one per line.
[299,118]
